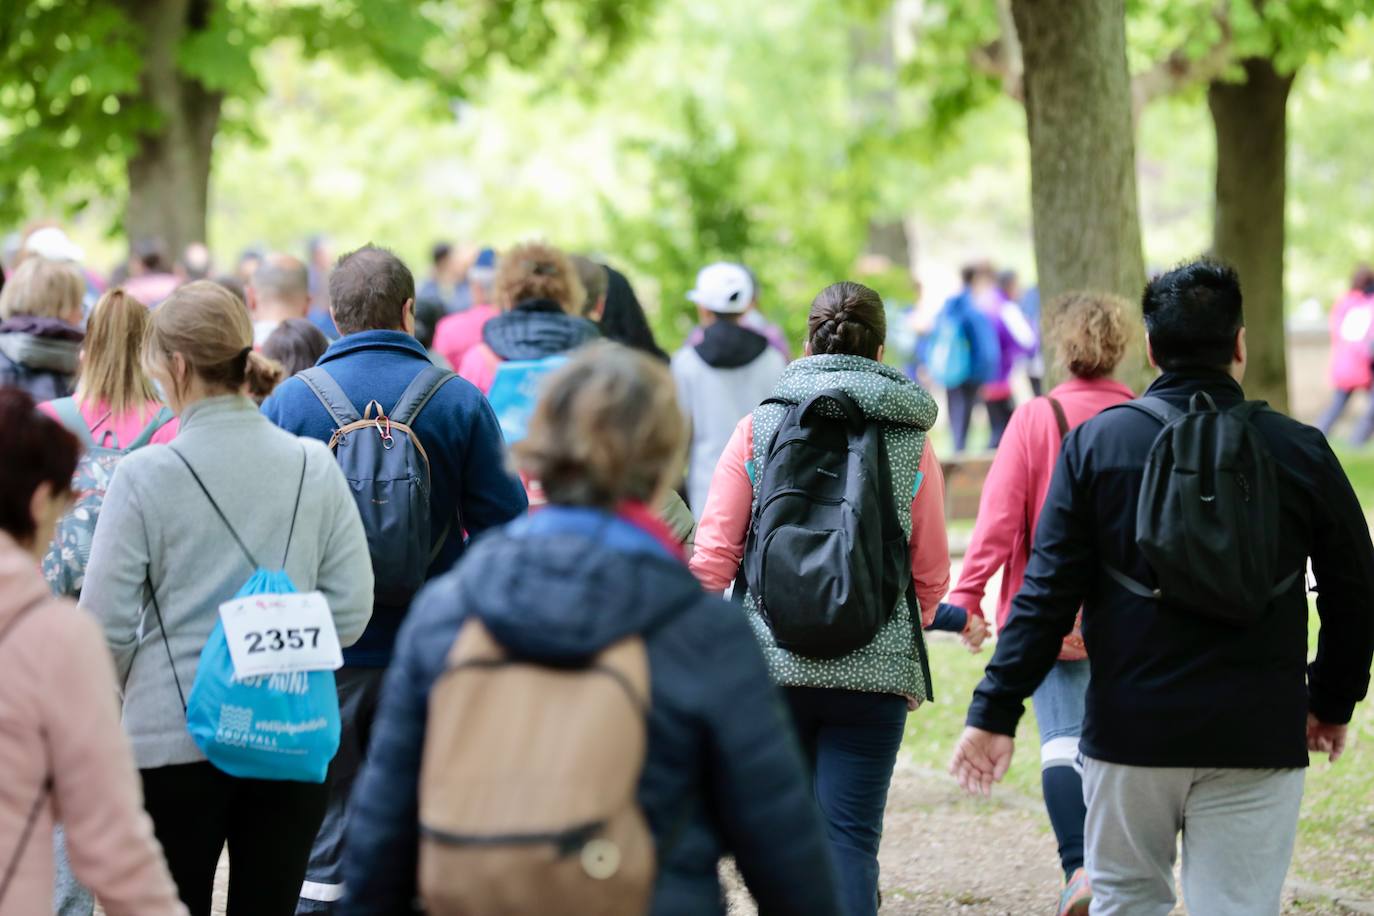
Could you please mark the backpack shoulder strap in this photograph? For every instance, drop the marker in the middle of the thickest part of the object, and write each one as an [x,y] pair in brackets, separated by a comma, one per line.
[159,420]
[1060,418]
[417,394]
[1157,408]
[323,386]
[69,415]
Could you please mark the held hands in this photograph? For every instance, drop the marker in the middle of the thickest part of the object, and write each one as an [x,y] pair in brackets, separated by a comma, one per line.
[975,632]
[1324,738]
[980,759]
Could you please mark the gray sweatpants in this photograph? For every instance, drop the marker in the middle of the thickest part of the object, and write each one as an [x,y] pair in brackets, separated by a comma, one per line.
[1238,831]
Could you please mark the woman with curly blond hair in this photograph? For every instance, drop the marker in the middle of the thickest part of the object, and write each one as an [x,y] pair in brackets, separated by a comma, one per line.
[541,299]
[1092,336]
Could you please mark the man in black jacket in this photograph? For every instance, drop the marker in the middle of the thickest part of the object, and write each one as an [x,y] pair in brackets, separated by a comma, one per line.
[1193,724]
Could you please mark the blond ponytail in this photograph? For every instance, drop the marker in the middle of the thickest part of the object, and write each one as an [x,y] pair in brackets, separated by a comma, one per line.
[110,370]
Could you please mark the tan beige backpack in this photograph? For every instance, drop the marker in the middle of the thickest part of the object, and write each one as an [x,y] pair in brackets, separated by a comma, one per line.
[527,788]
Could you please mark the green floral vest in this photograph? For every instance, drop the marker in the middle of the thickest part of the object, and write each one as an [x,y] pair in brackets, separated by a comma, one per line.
[891,663]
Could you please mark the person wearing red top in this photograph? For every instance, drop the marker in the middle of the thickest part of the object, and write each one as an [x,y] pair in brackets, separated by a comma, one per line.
[1092,336]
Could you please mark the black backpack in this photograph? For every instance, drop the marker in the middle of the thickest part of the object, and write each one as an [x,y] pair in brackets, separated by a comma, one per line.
[826,556]
[1207,519]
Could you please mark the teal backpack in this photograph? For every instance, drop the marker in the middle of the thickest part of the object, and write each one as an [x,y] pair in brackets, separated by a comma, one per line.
[64,565]
[515,390]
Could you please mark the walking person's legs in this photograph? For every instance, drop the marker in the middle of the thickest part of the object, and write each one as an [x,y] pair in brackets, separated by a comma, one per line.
[961,399]
[1339,400]
[1239,827]
[359,690]
[999,415]
[856,744]
[189,806]
[1131,835]
[1364,427]
[271,828]
[1059,709]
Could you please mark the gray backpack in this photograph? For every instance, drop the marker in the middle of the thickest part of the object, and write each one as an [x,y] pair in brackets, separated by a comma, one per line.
[388,471]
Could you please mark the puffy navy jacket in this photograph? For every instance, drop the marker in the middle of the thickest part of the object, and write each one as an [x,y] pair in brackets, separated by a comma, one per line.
[723,773]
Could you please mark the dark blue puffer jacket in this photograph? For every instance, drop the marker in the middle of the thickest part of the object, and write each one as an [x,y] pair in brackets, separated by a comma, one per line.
[723,773]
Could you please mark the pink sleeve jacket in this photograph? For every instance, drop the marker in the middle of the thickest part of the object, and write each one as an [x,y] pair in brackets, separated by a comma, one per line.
[1016,486]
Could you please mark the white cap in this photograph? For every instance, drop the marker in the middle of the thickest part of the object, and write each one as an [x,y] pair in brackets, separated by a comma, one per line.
[724,288]
[52,243]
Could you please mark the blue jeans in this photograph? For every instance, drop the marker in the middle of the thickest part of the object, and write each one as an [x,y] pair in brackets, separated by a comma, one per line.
[1060,701]
[851,740]
[1059,709]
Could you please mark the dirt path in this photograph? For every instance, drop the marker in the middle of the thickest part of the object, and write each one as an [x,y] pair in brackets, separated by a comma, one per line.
[946,853]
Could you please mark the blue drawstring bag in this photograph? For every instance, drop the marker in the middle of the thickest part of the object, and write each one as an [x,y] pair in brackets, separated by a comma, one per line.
[279,726]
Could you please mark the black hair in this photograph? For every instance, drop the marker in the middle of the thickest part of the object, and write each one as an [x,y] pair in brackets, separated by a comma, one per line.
[623,320]
[296,343]
[439,251]
[1192,314]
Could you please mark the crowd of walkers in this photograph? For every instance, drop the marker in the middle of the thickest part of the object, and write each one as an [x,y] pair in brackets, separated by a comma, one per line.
[408,639]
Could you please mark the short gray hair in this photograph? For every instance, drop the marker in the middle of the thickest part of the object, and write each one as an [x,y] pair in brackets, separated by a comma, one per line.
[280,276]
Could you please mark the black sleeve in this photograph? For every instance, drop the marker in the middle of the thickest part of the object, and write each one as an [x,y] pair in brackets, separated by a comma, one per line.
[1343,563]
[1059,576]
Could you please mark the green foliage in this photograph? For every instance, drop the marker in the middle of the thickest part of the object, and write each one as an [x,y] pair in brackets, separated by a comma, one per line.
[72,108]
[66,71]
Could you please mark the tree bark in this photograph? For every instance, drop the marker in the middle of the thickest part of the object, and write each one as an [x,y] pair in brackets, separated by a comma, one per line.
[1084,208]
[169,173]
[1251,121]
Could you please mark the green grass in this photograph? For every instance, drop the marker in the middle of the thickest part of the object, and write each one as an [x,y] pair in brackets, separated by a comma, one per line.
[1359,467]
[1336,830]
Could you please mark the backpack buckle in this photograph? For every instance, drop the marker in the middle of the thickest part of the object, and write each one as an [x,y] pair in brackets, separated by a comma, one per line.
[383,424]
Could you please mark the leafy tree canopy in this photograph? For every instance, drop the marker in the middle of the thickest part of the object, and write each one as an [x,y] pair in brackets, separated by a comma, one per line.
[72,107]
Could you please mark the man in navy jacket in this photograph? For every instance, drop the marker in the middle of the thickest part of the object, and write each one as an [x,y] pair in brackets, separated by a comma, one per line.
[1193,725]
[372,300]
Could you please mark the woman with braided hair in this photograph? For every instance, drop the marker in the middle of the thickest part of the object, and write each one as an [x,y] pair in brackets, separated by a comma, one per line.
[849,711]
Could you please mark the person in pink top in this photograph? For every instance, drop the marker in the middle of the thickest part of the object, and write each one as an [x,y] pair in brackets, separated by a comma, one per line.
[849,711]
[114,400]
[62,750]
[1352,363]
[459,332]
[1092,337]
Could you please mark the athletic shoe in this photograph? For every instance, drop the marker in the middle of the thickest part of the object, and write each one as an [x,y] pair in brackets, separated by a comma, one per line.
[1077,896]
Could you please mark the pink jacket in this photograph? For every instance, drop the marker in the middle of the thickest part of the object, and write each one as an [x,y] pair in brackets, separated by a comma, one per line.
[59,719]
[725,524]
[456,334]
[1016,487]
[125,427]
[479,366]
[1352,321]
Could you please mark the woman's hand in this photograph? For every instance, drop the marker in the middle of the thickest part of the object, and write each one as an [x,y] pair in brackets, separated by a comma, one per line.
[975,632]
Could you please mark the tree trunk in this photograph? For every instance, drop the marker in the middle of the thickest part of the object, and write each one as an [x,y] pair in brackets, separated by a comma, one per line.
[1082,154]
[1251,120]
[169,174]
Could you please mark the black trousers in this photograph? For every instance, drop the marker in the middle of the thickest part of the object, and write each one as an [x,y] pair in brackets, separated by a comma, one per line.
[268,825]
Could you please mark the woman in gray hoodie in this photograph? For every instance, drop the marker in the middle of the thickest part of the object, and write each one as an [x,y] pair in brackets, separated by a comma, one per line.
[162,562]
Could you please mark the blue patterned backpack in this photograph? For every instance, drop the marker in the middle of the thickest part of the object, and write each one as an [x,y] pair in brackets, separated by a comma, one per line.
[64,565]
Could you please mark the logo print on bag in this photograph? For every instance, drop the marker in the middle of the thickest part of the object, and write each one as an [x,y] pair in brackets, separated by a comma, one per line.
[235,718]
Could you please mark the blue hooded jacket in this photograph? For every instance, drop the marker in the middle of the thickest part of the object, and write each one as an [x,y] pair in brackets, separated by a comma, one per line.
[471,488]
[723,772]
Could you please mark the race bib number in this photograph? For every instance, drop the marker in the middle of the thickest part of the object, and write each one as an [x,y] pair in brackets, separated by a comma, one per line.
[279,634]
